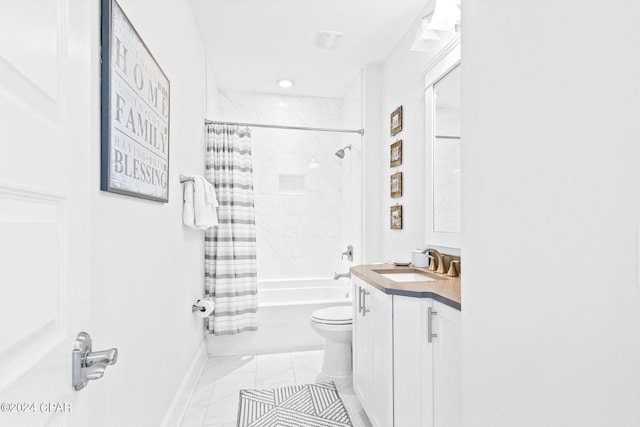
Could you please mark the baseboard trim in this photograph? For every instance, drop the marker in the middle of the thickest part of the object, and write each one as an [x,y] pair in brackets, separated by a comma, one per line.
[180,402]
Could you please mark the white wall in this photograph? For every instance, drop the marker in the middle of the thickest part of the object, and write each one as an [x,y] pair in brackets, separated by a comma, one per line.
[551,209]
[372,154]
[403,84]
[213,99]
[147,267]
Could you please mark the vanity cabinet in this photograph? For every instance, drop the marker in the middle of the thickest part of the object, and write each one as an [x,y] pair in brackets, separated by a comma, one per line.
[427,363]
[373,352]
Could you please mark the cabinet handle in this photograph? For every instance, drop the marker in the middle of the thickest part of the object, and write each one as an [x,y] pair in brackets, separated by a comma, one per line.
[365,310]
[359,299]
[430,334]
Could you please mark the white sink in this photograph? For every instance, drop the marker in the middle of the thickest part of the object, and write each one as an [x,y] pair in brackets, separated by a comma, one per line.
[407,277]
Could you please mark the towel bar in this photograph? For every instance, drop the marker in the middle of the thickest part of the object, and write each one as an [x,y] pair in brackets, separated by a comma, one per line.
[184,178]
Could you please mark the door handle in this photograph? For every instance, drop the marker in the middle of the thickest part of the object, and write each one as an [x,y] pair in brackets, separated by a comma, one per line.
[430,334]
[365,310]
[87,365]
[359,299]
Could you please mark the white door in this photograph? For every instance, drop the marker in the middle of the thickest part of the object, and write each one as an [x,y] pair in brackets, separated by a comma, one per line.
[447,366]
[381,317]
[373,352]
[361,347]
[47,128]
[413,363]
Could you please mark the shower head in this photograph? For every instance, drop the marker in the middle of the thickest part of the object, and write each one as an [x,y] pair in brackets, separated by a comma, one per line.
[340,152]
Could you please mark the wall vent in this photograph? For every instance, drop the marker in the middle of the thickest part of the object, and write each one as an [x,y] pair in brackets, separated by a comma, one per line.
[326,39]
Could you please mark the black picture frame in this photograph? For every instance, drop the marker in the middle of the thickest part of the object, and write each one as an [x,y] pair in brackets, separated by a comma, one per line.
[135,99]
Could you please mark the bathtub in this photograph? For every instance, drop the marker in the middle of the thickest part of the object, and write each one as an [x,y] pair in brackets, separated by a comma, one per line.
[284,311]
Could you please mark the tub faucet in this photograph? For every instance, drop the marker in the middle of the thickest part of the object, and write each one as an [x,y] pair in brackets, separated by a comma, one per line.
[336,276]
[348,253]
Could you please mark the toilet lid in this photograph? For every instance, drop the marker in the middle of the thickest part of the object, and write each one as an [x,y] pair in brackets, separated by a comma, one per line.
[340,315]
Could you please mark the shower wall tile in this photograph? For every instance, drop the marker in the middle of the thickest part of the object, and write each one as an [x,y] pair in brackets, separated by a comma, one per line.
[298,235]
[267,205]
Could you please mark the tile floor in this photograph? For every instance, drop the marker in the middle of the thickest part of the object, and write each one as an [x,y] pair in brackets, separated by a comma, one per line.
[215,400]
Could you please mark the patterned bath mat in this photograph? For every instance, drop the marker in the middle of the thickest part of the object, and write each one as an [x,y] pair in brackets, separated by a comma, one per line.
[309,405]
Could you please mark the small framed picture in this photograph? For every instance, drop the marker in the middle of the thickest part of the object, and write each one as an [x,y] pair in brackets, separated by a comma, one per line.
[396,185]
[396,154]
[396,217]
[396,121]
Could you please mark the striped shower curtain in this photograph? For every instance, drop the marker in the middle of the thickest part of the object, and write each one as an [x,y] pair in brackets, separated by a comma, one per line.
[230,248]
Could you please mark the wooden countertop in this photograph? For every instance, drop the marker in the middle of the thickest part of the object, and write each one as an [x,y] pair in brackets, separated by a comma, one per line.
[444,289]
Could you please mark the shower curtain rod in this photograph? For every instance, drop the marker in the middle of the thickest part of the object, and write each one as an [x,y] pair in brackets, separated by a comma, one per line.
[258,125]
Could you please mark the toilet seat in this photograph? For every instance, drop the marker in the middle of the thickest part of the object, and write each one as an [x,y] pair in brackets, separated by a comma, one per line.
[340,315]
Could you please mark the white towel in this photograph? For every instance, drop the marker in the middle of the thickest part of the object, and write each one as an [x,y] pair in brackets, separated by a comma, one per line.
[199,210]
[188,212]
[211,203]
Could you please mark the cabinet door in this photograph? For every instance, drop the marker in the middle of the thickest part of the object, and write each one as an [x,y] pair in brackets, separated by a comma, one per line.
[413,363]
[361,348]
[447,352]
[381,317]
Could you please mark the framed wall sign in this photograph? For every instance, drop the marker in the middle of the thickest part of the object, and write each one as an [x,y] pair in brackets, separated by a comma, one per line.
[396,121]
[395,185]
[396,154]
[395,217]
[135,99]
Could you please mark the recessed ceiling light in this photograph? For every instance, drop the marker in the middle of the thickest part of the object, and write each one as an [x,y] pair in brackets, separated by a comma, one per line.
[285,83]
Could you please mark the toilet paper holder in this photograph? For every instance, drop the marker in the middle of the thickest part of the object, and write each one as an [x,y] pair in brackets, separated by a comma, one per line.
[196,307]
[203,307]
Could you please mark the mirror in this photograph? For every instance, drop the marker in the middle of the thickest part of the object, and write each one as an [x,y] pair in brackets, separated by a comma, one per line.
[442,151]
[446,153]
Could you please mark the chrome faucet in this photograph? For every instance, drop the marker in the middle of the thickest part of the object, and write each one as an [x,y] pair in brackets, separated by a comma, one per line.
[438,259]
[347,275]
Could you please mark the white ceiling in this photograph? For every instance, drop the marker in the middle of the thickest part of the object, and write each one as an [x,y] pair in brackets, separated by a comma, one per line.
[253,43]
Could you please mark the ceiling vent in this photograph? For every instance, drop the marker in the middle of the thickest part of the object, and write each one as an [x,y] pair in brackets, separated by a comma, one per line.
[326,39]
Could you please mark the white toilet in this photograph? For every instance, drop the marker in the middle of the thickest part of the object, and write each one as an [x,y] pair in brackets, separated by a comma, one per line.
[334,323]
